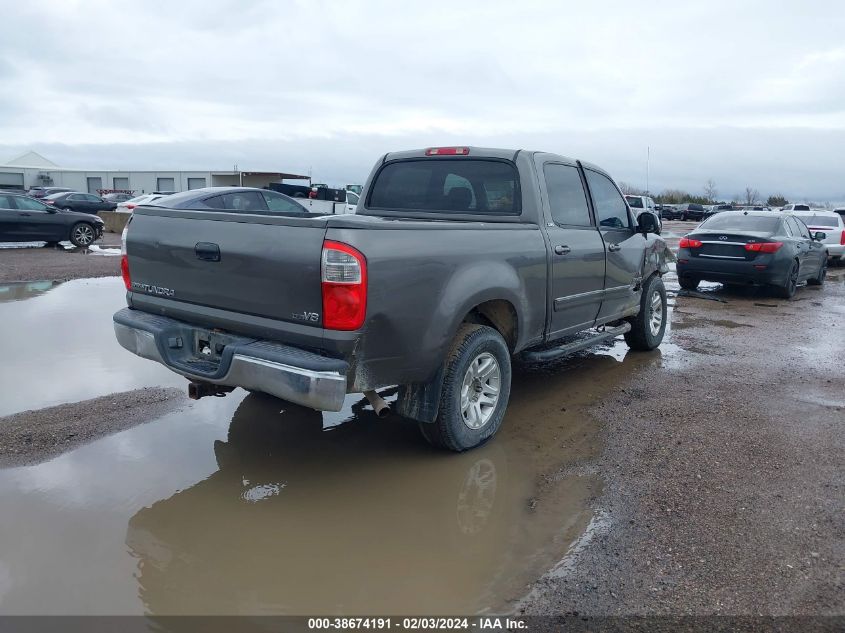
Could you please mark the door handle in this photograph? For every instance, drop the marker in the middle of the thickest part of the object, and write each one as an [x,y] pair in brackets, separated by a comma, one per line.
[207,251]
[562,249]
[614,247]
[26,215]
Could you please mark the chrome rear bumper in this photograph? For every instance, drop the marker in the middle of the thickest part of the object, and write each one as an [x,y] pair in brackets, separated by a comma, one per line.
[314,388]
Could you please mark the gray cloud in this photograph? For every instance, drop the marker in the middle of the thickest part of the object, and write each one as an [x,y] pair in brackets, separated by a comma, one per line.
[755,91]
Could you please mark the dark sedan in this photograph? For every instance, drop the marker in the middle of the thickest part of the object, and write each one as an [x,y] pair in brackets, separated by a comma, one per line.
[752,247]
[691,211]
[81,202]
[25,219]
[43,192]
[240,199]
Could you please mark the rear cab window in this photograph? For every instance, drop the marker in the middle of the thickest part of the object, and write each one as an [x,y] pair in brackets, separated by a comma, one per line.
[448,186]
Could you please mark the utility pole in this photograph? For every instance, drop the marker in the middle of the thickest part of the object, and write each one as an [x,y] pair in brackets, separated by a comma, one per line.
[647,161]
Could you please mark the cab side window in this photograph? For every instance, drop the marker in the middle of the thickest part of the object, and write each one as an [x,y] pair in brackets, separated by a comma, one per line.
[567,200]
[611,210]
[6,202]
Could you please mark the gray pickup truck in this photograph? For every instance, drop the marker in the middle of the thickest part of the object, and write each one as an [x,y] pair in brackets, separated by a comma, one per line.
[457,259]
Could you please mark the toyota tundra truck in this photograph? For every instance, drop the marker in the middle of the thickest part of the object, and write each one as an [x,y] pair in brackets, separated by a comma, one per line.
[456,260]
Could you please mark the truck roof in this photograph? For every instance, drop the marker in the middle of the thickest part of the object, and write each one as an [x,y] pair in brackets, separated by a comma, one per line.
[485,152]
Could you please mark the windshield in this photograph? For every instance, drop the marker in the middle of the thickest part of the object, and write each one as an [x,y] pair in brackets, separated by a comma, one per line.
[729,222]
[53,196]
[475,186]
[819,220]
[635,202]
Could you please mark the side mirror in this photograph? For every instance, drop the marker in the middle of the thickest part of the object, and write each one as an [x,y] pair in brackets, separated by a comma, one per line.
[647,222]
[51,209]
[819,236]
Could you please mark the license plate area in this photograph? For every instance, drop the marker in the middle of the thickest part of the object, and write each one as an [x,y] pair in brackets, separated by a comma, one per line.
[209,345]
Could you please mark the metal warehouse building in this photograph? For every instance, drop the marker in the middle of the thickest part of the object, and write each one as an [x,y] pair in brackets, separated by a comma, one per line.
[33,170]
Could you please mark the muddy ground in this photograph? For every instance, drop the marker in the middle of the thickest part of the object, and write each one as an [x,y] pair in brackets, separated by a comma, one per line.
[703,478]
[60,263]
[724,487]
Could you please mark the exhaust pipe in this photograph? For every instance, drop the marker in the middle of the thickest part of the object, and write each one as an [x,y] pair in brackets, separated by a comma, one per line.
[197,390]
[381,408]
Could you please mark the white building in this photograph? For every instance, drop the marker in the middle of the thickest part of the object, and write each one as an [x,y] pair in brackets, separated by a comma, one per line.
[33,170]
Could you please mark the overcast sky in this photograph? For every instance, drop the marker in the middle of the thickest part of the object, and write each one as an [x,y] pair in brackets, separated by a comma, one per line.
[747,96]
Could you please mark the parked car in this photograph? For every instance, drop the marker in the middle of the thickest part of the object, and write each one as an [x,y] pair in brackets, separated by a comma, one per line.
[128,205]
[840,211]
[795,207]
[668,212]
[832,225]
[352,199]
[294,191]
[456,259]
[691,211]
[233,199]
[43,192]
[117,197]
[717,208]
[78,201]
[25,219]
[752,247]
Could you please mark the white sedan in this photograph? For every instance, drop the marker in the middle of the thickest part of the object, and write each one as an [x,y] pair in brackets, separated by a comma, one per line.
[128,205]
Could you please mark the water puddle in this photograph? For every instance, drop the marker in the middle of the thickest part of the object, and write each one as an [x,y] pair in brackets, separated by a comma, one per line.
[249,505]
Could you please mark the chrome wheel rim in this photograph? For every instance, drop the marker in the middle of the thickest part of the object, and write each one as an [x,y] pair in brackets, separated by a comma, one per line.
[84,235]
[656,319]
[480,390]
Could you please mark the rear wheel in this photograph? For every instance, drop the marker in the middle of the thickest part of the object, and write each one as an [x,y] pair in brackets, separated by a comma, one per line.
[82,234]
[787,291]
[818,280]
[476,389]
[648,327]
[688,283]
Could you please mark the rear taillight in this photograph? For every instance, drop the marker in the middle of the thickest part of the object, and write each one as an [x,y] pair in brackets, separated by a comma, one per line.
[343,272]
[129,206]
[842,239]
[763,247]
[688,243]
[124,259]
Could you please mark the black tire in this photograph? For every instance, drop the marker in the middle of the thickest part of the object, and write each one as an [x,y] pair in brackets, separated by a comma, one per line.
[688,283]
[451,430]
[787,291]
[818,280]
[643,336]
[82,234]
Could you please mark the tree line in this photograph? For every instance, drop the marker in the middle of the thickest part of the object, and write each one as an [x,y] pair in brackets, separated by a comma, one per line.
[710,195]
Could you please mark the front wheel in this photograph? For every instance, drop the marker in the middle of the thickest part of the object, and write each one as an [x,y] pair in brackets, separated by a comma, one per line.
[82,234]
[648,327]
[476,389]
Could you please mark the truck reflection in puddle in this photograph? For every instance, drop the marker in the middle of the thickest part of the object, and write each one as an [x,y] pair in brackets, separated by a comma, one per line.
[19,291]
[362,518]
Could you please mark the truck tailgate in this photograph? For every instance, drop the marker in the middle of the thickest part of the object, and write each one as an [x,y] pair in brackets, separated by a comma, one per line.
[267,266]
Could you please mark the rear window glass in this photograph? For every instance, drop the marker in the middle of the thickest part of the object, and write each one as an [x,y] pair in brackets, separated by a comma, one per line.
[447,186]
[727,222]
[635,202]
[820,220]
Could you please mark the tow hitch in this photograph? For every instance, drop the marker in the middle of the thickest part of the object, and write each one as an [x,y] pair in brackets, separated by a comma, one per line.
[197,390]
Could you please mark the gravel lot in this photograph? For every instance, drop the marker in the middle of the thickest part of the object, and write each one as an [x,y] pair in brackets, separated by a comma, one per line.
[60,263]
[724,485]
[31,437]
